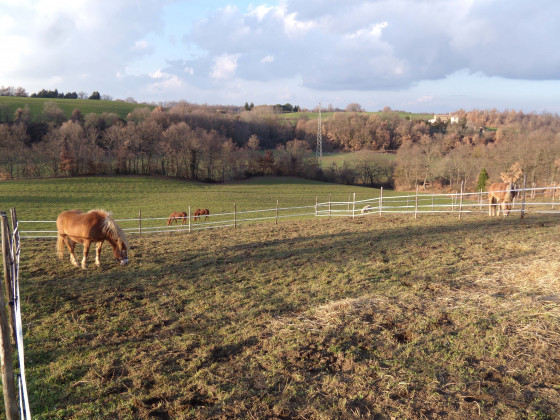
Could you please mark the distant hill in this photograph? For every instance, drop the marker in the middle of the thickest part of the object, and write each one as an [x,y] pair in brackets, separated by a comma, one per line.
[294,116]
[86,106]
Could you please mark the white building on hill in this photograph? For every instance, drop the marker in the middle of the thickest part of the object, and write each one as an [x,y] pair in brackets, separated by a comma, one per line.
[444,118]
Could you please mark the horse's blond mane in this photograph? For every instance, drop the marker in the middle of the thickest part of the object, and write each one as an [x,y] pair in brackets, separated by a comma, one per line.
[110,227]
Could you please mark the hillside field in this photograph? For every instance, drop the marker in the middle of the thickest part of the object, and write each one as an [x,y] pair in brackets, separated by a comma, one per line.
[43,199]
[86,106]
[379,317]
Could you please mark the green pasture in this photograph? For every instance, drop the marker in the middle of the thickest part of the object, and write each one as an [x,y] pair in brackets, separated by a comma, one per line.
[315,115]
[153,199]
[157,198]
[350,158]
[86,106]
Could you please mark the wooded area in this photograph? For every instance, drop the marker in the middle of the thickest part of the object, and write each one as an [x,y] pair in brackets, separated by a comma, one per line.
[217,144]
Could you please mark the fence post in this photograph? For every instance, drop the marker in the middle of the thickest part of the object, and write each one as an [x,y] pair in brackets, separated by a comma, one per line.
[8,272]
[8,384]
[316,205]
[330,199]
[523,202]
[140,221]
[553,193]
[354,206]
[533,190]
[416,203]
[234,215]
[380,201]
[14,226]
[15,245]
[461,200]
[276,221]
[189,219]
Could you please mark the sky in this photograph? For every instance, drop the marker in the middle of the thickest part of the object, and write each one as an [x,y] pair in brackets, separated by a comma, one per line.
[411,55]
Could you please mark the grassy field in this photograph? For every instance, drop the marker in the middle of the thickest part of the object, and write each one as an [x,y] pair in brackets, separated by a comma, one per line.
[44,199]
[350,158]
[315,115]
[68,105]
[378,317]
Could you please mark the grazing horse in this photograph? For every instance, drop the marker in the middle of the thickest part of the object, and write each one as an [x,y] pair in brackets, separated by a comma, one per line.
[94,226]
[176,216]
[201,212]
[500,194]
[367,209]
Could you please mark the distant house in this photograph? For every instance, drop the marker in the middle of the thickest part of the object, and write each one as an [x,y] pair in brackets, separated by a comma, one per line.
[452,119]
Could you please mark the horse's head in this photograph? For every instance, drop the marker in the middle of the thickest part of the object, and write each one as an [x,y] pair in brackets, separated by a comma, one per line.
[121,253]
[508,198]
[511,190]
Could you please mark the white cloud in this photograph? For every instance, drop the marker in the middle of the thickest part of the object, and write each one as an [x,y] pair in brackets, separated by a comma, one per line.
[224,66]
[260,11]
[165,82]
[374,31]
[321,49]
[140,45]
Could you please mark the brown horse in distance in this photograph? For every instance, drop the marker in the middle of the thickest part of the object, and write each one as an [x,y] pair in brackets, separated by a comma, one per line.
[201,212]
[176,216]
[86,228]
[500,194]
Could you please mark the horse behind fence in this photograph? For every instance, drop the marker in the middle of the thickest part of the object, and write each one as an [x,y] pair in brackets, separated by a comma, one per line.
[500,194]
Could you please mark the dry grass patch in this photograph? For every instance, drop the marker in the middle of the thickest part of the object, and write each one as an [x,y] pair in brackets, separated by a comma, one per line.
[368,318]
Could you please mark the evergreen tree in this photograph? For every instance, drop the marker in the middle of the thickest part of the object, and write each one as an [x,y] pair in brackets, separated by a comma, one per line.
[482,180]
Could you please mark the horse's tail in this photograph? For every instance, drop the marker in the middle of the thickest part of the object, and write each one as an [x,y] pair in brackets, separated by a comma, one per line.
[60,246]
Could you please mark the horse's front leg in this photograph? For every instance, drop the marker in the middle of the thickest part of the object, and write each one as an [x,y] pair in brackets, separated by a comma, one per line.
[86,250]
[98,254]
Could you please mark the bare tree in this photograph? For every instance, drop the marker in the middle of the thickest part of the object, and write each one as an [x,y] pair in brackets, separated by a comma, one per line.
[354,107]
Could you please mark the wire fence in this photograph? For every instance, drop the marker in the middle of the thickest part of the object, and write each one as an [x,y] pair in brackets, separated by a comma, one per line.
[527,200]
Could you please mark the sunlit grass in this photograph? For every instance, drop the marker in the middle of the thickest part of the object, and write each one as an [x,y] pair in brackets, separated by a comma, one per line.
[317,319]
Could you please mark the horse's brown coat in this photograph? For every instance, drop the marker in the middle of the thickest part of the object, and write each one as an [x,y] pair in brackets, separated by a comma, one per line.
[75,226]
[201,212]
[500,194]
[176,216]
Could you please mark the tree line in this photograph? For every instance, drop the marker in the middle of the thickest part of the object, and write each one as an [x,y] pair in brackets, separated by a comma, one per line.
[51,94]
[217,144]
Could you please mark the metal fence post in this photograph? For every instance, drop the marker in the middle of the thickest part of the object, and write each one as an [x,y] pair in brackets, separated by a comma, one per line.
[461,200]
[8,384]
[523,202]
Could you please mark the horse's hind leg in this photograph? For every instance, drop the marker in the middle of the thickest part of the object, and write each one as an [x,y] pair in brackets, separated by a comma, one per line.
[70,244]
